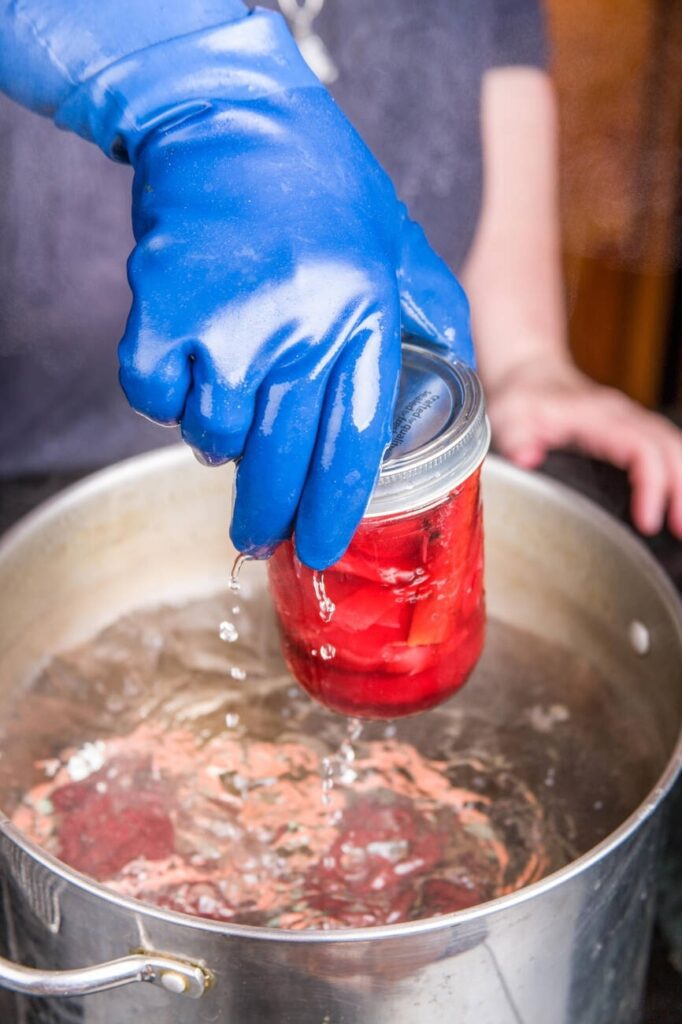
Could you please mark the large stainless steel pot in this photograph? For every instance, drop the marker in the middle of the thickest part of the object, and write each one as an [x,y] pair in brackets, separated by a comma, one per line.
[570,949]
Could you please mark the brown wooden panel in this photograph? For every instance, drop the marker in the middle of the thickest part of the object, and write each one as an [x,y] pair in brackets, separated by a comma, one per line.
[618,69]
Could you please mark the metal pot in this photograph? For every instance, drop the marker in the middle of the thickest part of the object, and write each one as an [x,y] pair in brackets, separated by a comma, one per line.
[570,949]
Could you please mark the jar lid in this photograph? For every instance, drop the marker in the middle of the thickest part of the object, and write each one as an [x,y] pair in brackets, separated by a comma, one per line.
[440,433]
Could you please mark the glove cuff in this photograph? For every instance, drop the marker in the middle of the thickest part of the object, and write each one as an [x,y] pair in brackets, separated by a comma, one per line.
[238,62]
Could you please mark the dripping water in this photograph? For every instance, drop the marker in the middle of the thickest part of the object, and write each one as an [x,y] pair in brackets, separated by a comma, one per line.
[228,630]
[327,606]
[339,767]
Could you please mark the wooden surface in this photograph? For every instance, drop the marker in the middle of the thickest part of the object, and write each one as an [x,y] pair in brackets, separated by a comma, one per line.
[618,69]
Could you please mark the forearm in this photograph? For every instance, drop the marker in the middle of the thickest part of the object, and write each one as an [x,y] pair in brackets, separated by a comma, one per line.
[513,274]
[47,47]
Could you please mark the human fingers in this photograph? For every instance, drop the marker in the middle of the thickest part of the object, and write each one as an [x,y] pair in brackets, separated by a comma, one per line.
[618,430]
[519,433]
[603,423]
[615,430]
[647,472]
[670,443]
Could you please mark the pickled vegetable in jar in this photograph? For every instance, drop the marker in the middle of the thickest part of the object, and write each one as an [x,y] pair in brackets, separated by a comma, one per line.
[408,621]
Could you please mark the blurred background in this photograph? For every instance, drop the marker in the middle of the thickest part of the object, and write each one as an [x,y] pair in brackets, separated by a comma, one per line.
[617,65]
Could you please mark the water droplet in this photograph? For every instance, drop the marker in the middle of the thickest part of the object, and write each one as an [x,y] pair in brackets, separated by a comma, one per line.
[354,729]
[347,775]
[90,758]
[326,605]
[327,780]
[327,652]
[228,632]
[234,584]
[232,720]
[51,766]
[237,673]
[347,752]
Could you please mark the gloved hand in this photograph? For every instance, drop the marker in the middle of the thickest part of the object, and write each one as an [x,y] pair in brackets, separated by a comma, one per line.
[273,271]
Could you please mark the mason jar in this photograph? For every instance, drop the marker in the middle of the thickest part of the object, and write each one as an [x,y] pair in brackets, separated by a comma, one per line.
[397,625]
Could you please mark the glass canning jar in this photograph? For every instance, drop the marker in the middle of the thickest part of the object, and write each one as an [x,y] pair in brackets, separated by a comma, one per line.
[409,612]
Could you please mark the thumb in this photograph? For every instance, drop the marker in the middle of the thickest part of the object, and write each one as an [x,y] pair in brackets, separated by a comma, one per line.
[432,301]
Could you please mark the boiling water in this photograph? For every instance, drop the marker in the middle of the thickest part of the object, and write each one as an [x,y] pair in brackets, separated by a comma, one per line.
[180,764]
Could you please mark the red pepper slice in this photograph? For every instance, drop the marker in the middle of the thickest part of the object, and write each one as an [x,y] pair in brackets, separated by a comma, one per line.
[448,561]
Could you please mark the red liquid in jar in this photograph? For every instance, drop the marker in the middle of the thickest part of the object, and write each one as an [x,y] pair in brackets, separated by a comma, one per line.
[409,622]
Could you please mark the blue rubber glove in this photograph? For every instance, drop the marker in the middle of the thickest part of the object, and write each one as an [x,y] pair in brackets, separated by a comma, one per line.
[274,267]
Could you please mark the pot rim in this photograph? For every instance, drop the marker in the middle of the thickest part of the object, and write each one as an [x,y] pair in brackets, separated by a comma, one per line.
[138,466]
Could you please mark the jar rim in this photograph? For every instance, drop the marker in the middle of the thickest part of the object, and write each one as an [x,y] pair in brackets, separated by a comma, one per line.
[442,433]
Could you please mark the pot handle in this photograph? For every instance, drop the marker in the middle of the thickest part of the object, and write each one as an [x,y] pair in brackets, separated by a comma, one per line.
[180,977]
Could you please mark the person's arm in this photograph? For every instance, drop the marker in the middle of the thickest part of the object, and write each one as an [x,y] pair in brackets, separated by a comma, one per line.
[274,264]
[537,398]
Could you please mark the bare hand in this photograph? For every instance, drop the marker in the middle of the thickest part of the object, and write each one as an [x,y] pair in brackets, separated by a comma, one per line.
[546,403]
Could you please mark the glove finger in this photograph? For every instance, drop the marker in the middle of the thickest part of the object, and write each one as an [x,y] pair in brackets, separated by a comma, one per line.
[154,373]
[218,413]
[154,353]
[433,303]
[277,453]
[355,428]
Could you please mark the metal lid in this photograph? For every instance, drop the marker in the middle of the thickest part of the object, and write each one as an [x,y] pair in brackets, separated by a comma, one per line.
[440,433]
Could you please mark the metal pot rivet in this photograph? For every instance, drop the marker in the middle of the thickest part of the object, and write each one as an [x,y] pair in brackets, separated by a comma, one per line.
[173,982]
[640,638]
